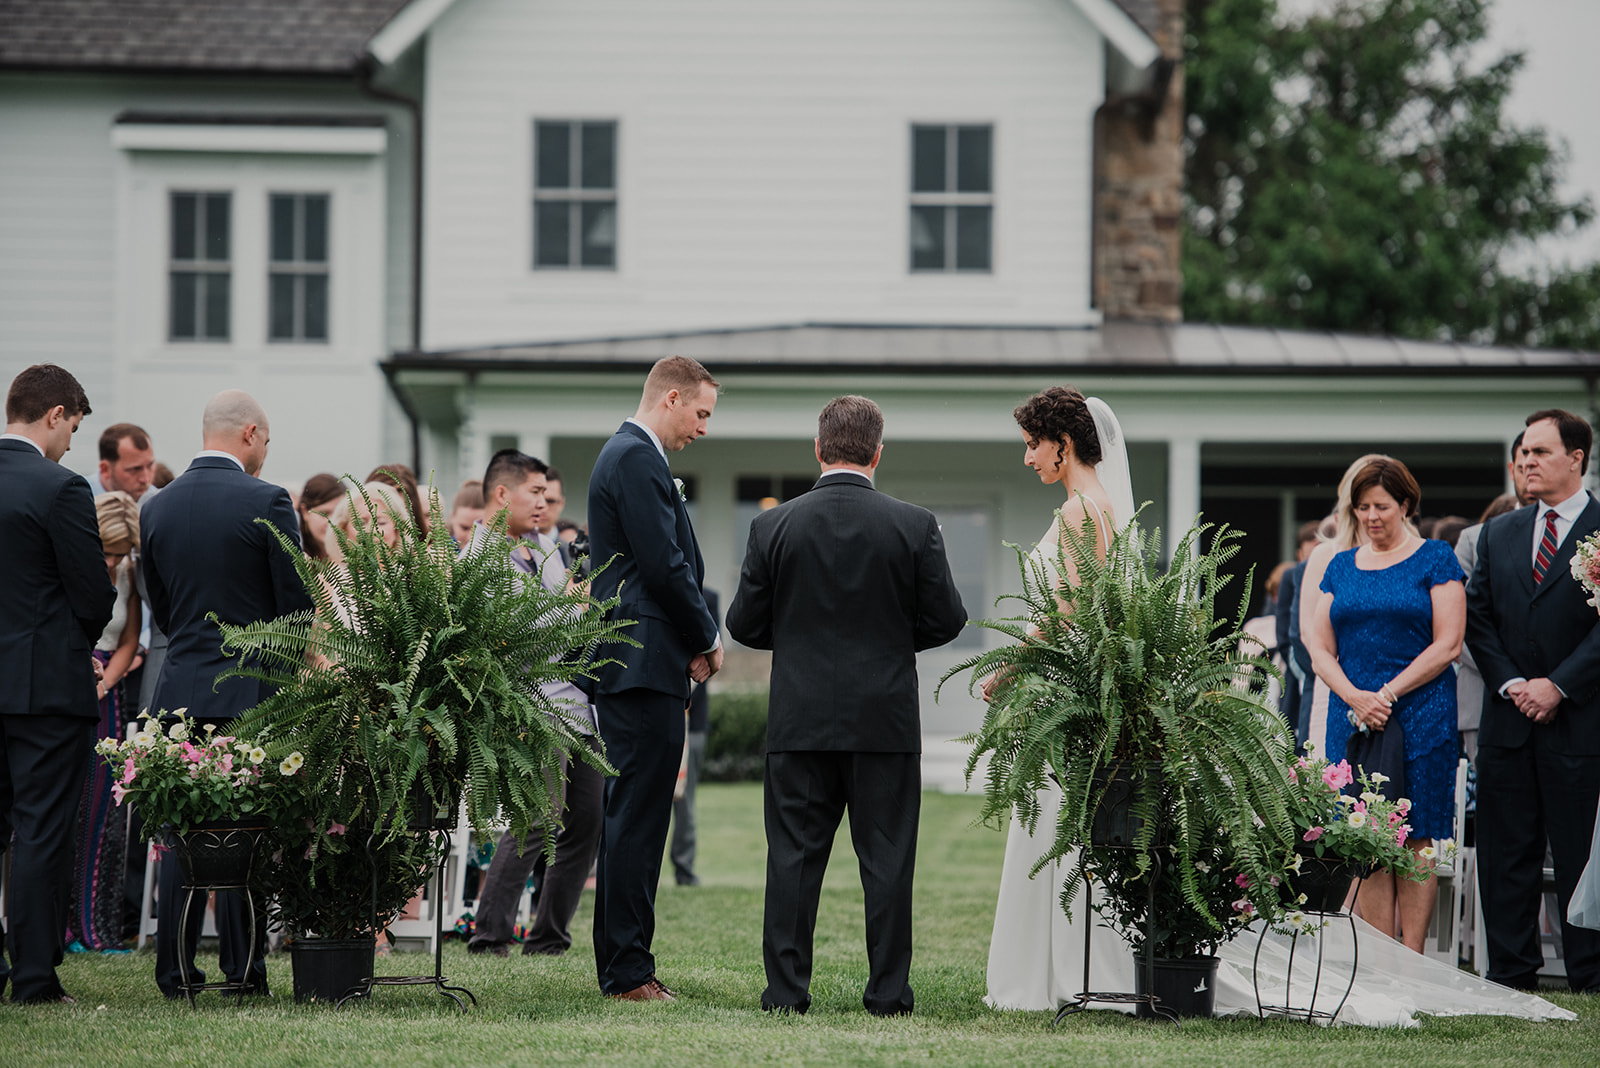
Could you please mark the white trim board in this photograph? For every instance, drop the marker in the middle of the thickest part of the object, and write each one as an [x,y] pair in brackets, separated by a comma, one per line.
[307,140]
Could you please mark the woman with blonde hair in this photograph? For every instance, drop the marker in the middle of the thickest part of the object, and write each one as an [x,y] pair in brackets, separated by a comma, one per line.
[95,919]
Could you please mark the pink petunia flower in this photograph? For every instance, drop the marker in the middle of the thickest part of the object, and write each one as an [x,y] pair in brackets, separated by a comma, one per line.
[1337,776]
[118,792]
[1243,905]
[1312,835]
[129,772]
[336,828]
[1242,881]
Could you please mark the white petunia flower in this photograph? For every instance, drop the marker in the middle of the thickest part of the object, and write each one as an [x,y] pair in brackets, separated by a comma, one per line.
[1357,819]
[178,732]
[257,755]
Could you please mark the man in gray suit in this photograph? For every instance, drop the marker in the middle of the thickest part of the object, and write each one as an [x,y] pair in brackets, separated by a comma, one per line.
[845,585]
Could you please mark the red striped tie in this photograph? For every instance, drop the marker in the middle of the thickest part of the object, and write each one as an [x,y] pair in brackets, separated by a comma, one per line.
[1547,548]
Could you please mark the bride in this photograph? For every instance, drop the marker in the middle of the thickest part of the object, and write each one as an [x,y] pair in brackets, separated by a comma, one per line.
[1036,952]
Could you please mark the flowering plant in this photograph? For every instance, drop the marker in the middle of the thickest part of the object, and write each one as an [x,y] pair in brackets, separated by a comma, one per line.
[179,775]
[1586,567]
[1365,829]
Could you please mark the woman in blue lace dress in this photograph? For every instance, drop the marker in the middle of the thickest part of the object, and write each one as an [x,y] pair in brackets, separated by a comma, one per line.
[1393,613]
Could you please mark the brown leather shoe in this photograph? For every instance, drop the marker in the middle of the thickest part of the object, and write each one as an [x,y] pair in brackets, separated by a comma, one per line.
[649,990]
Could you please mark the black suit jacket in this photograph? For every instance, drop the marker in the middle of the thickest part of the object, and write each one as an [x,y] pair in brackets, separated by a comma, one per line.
[638,522]
[56,596]
[204,552]
[1515,629]
[845,585]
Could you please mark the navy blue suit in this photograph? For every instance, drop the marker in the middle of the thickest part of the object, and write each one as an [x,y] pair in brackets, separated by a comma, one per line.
[204,552]
[1534,780]
[639,532]
[55,599]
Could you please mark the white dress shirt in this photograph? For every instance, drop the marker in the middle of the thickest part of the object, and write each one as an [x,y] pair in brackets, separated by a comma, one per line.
[218,453]
[1567,513]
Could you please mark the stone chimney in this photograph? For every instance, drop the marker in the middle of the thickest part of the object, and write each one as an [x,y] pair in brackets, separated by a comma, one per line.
[1138,178]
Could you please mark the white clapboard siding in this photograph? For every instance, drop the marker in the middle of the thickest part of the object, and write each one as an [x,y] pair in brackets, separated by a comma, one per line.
[763,160]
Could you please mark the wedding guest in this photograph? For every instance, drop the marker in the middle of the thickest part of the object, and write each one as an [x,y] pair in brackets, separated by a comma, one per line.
[1389,624]
[56,599]
[99,870]
[1287,629]
[1536,639]
[1469,681]
[403,479]
[466,510]
[127,461]
[1262,631]
[1448,529]
[318,498]
[161,476]
[682,849]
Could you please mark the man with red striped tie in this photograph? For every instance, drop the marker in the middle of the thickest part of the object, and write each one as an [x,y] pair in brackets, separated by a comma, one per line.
[1537,642]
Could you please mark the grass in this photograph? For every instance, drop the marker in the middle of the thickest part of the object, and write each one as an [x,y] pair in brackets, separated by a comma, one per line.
[545,1011]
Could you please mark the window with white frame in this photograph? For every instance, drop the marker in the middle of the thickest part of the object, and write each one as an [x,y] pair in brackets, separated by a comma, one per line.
[952,197]
[200,269]
[297,272]
[575,195]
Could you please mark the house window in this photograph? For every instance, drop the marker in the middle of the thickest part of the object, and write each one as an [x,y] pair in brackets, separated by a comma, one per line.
[297,273]
[575,195]
[952,198]
[200,269]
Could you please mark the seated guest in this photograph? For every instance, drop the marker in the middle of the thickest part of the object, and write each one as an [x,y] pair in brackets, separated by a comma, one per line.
[318,498]
[403,479]
[466,510]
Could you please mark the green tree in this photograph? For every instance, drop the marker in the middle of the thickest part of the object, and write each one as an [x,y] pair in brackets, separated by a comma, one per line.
[1352,170]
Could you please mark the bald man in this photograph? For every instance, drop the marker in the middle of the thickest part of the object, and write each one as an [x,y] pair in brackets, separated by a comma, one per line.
[204,552]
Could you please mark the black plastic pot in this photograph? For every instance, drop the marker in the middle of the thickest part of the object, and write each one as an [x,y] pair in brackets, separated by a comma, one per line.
[1114,822]
[326,969]
[1186,986]
[1324,881]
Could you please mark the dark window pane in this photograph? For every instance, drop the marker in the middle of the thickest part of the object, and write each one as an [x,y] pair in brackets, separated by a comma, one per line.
[792,486]
[280,309]
[215,288]
[315,248]
[216,227]
[599,235]
[183,224]
[553,169]
[927,159]
[316,313]
[750,488]
[599,155]
[972,238]
[552,234]
[281,225]
[927,238]
[183,306]
[973,153]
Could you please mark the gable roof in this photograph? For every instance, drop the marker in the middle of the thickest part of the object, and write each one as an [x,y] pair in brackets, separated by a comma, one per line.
[265,36]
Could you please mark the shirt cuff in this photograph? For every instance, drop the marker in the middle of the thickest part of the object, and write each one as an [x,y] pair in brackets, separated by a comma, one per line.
[1510,683]
[1559,690]
[714,647]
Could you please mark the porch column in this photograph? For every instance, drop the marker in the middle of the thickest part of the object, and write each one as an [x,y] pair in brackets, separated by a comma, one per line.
[1183,486]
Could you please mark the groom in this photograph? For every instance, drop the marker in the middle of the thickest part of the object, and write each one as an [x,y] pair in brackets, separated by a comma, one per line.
[639,535]
[845,585]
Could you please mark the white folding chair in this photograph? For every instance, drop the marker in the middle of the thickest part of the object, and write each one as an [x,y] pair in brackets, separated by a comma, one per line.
[1444,934]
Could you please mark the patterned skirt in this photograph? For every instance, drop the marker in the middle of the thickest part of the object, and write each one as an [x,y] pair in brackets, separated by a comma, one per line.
[100,857]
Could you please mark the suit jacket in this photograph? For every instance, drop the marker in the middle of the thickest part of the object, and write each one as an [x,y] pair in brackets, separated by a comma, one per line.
[1514,629]
[1469,682]
[845,585]
[56,596]
[204,552]
[639,533]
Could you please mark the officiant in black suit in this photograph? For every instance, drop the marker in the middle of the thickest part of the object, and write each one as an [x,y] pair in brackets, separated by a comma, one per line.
[845,585]
[55,599]
[204,552]
[1537,643]
[639,535]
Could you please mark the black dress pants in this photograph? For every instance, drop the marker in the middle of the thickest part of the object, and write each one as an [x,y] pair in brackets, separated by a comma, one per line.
[1527,793]
[643,732]
[43,760]
[806,793]
[233,923]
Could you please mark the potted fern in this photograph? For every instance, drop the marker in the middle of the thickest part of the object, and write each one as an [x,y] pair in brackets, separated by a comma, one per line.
[1130,683]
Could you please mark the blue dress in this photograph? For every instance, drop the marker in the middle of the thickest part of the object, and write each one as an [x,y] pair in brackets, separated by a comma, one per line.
[1382,620]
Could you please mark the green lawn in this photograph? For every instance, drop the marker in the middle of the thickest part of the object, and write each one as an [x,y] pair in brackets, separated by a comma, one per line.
[549,1011]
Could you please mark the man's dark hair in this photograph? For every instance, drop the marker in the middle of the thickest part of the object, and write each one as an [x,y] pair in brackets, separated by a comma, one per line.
[1574,429]
[41,387]
[112,437]
[1307,532]
[1516,443]
[849,431]
[552,475]
[510,468]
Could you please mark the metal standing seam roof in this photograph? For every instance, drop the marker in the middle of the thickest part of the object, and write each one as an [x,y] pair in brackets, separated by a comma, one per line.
[1118,346]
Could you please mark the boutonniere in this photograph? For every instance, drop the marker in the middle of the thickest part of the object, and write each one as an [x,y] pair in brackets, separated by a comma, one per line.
[681,496]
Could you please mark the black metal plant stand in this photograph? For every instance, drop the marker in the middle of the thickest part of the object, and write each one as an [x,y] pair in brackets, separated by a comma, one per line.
[236,840]
[1310,1013]
[441,985]
[1086,996]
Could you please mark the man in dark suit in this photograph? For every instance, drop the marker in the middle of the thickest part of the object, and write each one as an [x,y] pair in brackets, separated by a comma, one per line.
[1536,641]
[204,552]
[639,534]
[845,585]
[55,600]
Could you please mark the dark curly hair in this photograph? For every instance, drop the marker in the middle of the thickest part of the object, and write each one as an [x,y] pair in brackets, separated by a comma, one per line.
[1060,414]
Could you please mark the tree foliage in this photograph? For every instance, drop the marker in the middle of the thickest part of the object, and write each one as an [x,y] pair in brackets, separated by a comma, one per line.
[1352,169]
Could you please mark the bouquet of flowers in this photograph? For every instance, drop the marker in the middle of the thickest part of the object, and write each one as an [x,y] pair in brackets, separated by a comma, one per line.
[1586,567]
[183,777]
[1366,829]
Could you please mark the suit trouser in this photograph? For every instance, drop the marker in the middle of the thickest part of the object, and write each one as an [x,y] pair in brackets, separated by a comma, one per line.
[806,793]
[582,789]
[233,923]
[1525,794]
[43,760]
[643,732]
[683,836]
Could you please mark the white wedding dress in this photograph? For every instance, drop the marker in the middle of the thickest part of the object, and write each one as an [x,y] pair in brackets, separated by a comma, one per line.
[1036,952]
